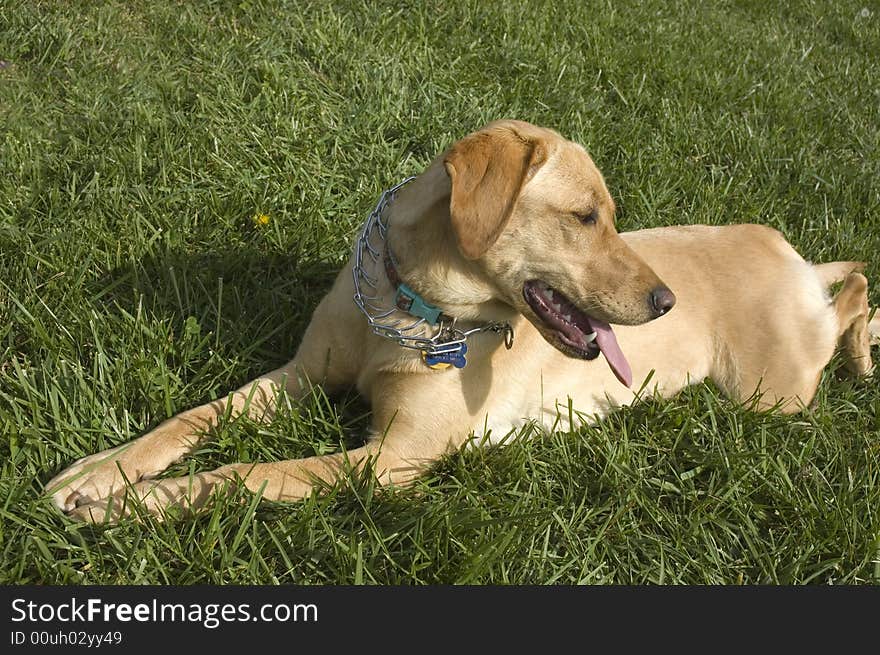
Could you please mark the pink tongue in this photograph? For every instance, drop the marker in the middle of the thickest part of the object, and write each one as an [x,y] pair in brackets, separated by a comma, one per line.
[607,343]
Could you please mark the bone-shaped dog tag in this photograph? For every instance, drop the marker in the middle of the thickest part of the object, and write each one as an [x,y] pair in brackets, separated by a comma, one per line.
[442,361]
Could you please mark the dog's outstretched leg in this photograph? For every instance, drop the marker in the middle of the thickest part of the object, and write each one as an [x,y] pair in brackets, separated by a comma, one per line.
[407,441]
[277,481]
[329,354]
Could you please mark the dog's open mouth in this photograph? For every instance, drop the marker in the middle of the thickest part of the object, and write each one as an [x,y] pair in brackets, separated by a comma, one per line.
[582,335]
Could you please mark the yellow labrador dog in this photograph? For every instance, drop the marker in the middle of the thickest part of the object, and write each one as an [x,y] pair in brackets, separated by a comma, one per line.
[480,296]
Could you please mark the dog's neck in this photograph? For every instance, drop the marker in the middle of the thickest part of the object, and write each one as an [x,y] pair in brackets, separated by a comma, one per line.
[428,260]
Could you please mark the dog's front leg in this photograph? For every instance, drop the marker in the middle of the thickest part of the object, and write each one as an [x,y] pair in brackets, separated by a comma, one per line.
[396,459]
[329,354]
[415,423]
[97,476]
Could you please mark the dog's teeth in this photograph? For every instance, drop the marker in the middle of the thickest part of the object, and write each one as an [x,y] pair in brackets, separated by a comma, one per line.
[566,318]
[590,337]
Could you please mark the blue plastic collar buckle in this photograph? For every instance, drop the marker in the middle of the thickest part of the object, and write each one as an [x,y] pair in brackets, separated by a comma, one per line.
[409,301]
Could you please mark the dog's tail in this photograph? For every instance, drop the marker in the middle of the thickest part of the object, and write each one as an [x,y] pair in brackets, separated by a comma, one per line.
[836,271]
[874,328]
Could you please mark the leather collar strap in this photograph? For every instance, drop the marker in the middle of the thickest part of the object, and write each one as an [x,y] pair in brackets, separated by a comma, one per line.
[408,300]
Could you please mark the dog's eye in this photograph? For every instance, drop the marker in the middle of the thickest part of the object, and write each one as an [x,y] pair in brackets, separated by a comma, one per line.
[587,217]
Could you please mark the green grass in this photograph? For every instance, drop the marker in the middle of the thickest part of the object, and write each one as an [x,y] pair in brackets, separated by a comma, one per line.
[138,139]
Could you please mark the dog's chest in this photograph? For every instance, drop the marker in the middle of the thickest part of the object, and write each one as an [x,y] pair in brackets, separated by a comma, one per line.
[558,401]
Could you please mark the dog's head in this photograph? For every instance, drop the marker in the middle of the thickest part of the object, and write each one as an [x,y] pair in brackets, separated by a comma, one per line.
[532,210]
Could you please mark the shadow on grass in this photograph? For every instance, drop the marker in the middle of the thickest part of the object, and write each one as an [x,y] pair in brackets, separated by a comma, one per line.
[248,300]
[247,307]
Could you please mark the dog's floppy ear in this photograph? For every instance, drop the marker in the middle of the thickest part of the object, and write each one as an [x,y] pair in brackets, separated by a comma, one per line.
[488,169]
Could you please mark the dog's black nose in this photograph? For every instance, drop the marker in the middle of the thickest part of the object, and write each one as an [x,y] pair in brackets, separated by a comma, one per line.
[662,300]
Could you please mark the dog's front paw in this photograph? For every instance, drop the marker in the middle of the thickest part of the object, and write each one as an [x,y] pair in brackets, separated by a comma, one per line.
[154,497]
[90,479]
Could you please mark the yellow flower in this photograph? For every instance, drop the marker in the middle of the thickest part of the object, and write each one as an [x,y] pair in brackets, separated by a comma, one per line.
[261,219]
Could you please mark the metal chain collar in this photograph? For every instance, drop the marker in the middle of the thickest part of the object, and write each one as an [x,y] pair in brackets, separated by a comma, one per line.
[446,339]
